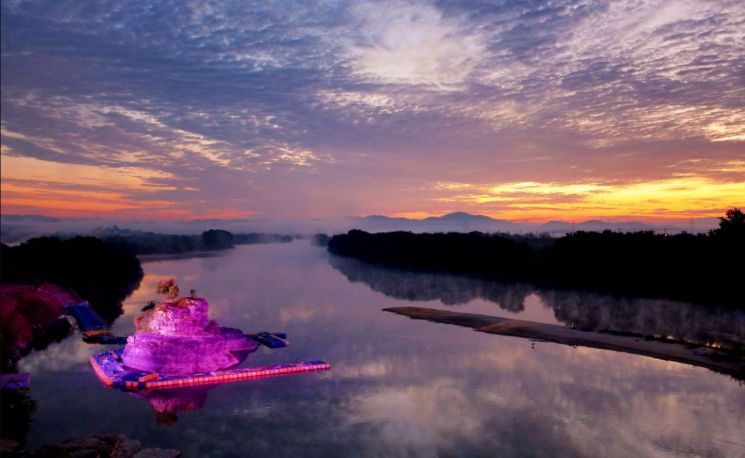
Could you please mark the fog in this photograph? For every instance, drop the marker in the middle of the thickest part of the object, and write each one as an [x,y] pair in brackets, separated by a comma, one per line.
[18,228]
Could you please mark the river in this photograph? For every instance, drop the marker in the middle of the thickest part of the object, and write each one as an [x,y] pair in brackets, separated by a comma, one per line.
[399,387]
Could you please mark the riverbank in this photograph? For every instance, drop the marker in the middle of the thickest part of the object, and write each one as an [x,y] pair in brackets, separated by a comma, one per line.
[710,358]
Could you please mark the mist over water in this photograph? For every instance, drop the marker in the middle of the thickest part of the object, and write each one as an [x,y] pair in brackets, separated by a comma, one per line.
[18,228]
[401,387]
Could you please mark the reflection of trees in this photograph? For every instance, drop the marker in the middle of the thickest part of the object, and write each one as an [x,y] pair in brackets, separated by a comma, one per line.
[582,310]
[415,286]
[649,317]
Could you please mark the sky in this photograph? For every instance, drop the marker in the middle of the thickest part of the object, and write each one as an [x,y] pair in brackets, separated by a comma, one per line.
[521,110]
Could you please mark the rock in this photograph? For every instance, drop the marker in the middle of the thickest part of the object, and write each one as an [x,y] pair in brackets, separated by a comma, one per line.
[158,453]
[126,448]
[76,447]
[178,338]
[112,438]
[45,451]
[85,453]
[100,446]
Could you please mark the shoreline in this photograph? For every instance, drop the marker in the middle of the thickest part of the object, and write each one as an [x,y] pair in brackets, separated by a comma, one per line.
[156,257]
[701,356]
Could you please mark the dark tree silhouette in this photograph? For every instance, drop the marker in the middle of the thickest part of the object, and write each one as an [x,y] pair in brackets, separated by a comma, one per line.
[732,224]
[100,273]
[140,242]
[702,268]
[217,239]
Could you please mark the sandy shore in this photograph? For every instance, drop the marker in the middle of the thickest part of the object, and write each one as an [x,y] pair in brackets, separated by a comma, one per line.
[698,356]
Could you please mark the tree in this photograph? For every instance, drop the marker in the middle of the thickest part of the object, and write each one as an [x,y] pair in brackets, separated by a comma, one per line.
[732,224]
[216,239]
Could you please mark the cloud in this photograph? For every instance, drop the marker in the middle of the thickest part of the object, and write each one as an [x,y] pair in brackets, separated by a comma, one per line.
[359,107]
[413,44]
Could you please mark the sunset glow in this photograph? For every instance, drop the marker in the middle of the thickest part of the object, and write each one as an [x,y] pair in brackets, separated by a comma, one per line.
[672,198]
[564,110]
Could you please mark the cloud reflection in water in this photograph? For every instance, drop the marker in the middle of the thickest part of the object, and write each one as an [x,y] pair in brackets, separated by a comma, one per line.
[398,387]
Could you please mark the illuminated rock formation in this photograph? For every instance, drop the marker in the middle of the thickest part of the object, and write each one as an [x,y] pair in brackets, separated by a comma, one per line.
[178,338]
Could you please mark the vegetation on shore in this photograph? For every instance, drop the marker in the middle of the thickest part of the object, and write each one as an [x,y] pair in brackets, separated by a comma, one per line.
[139,242]
[702,268]
[104,274]
[256,237]
[103,270]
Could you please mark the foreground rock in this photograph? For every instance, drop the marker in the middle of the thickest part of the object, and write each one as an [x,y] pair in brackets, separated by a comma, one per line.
[709,358]
[98,446]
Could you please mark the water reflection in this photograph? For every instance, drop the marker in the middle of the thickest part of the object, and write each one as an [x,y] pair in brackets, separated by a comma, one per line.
[397,387]
[718,327]
[712,326]
[448,289]
[168,403]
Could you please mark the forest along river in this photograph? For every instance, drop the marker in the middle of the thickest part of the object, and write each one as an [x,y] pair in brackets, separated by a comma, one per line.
[401,387]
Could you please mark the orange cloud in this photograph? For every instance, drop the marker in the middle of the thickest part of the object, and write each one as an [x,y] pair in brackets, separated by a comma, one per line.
[679,197]
[48,172]
[73,190]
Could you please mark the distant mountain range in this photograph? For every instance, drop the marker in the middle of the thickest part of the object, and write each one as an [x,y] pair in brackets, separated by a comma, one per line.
[16,228]
[466,222]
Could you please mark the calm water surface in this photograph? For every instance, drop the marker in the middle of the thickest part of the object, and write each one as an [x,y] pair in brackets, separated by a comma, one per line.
[400,387]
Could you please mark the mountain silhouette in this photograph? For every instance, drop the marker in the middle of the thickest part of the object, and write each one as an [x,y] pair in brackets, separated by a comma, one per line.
[467,222]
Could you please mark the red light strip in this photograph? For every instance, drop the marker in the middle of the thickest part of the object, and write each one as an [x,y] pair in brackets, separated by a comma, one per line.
[232,376]
[151,382]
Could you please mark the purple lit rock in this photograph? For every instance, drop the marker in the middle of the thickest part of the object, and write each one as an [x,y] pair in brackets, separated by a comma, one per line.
[183,318]
[179,338]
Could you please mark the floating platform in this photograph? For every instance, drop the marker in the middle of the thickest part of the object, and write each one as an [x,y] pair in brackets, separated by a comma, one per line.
[110,370]
[270,340]
[90,324]
[105,339]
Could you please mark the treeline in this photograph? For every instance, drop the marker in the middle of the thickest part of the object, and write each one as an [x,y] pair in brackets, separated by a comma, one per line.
[152,243]
[255,237]
[705,268]
[104,274]
[212,240]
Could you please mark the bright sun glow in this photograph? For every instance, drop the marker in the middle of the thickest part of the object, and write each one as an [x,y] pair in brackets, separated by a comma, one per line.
[673,198]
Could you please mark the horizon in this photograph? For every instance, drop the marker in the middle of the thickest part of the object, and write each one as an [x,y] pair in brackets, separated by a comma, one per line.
[19,228]
[570,111]
[416,217]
